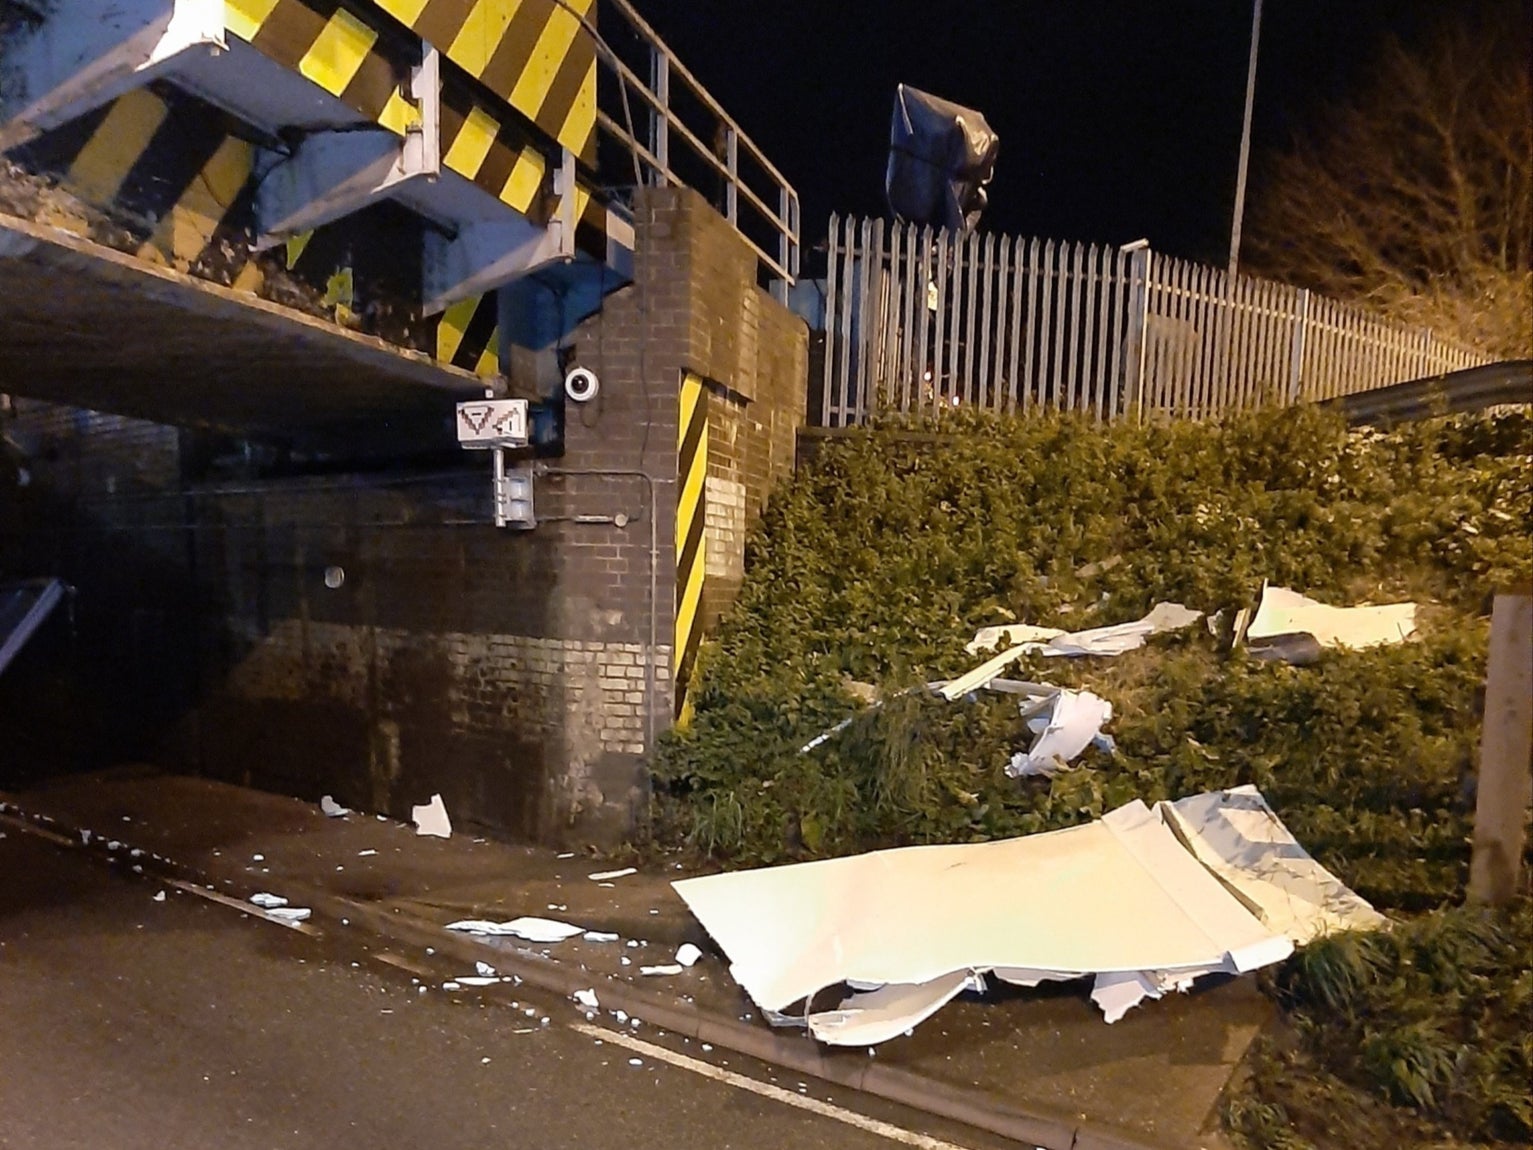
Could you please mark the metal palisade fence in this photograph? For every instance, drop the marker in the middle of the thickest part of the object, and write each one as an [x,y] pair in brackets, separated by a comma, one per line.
[918,319]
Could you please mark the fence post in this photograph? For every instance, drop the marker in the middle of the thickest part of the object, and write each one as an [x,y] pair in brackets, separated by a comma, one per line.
[1138,322]
[1300,336]
[1505,786]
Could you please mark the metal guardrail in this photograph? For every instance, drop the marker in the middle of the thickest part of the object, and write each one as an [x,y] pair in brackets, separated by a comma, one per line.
[1474,389]
[642,115]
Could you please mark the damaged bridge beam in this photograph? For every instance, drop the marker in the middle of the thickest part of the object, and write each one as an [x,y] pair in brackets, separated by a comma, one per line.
[332,174]
[85,54]
[485,254]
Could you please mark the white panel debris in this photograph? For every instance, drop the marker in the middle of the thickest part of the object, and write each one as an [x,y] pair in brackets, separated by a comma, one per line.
[289,913]
[1237,836]
[663,968]
[599,936]
[608,875]
[330,808]
[1113,640]
[587,999]
[528,928]
[1073,720]
[268,901]
[431,819]
[1285,612]
[688,953]
[1120,898]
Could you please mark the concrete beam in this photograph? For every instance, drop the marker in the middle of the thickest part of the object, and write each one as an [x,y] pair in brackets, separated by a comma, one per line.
[83,54]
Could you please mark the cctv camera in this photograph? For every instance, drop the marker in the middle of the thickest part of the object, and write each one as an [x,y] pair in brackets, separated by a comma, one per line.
[581,384]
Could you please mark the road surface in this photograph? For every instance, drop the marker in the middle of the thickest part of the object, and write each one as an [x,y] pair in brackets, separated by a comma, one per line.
[128,1023]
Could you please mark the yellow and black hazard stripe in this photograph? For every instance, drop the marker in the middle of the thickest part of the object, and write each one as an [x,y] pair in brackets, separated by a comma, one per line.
[352,58]
[534,54]
[468,335]
[691,541]
[171,174]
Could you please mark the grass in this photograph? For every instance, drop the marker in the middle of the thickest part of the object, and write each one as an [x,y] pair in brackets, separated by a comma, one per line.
[878,562]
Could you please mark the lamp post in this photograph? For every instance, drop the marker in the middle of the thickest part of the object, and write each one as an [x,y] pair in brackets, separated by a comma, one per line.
[1245,141]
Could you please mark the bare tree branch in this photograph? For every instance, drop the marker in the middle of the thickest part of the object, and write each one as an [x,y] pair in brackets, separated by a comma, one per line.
[1417,196]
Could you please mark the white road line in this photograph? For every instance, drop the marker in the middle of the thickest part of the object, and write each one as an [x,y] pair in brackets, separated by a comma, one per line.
[776,1093]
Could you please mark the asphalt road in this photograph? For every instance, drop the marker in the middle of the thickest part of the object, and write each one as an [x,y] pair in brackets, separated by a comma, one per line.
[127,1022]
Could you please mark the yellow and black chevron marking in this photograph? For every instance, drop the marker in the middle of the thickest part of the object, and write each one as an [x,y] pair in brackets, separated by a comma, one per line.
[354,61]
[171,173]
[534,54]
[691,514]
[468,335]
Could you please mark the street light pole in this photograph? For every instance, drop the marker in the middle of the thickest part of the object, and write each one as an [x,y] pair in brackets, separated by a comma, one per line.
[1245,141]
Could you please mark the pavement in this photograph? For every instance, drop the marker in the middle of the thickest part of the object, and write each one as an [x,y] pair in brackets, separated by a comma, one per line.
[1039,1067]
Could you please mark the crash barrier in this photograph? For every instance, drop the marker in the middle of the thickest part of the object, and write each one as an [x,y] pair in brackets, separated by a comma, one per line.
[1473,389]
[917,319]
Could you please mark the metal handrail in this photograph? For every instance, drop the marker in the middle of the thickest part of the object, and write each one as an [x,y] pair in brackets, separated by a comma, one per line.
[663,122]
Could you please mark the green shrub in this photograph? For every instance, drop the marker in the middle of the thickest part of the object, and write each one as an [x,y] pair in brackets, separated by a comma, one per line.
[878,562]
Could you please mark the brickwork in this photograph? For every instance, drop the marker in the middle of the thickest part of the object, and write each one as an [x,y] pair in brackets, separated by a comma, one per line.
[520,674]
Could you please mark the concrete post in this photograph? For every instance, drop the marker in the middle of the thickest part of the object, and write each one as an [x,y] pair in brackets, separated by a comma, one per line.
[1506,753]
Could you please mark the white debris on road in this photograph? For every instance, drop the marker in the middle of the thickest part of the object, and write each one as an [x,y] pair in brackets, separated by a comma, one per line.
[476,980]
[289,913]
[663,968]
[1120,898]
[1072,722]
[431,819]
[599,936]
[608,875]
[366,854]
[587,999]
[160,897]
[688,953]
[268,901]
[330,808]
[484,968]
[529,928]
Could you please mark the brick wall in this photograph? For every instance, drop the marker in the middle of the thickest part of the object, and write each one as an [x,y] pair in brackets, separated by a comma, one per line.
[521,674]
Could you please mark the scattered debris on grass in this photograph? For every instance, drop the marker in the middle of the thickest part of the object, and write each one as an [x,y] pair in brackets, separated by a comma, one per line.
[1069,723]
[1283,613]
[1104,641]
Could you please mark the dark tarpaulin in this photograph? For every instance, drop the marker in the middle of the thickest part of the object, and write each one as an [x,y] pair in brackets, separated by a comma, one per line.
[941,158]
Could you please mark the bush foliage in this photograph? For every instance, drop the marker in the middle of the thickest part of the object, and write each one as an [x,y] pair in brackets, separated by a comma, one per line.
[880,559]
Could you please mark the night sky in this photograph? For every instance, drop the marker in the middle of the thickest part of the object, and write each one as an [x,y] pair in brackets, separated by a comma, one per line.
[1117,118]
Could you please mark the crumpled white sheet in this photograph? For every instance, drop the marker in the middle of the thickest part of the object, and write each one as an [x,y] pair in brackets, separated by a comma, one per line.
[1121,898]
[1112,640]
[1073,721]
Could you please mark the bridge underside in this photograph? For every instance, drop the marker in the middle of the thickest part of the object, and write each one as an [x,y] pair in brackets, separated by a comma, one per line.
[90,326]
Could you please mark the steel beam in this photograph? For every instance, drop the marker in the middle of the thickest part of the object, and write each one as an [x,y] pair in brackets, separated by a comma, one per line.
[83,54]
[332,174]
[487,254]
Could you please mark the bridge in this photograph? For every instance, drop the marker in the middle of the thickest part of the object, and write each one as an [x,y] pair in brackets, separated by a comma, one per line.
[252,254]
